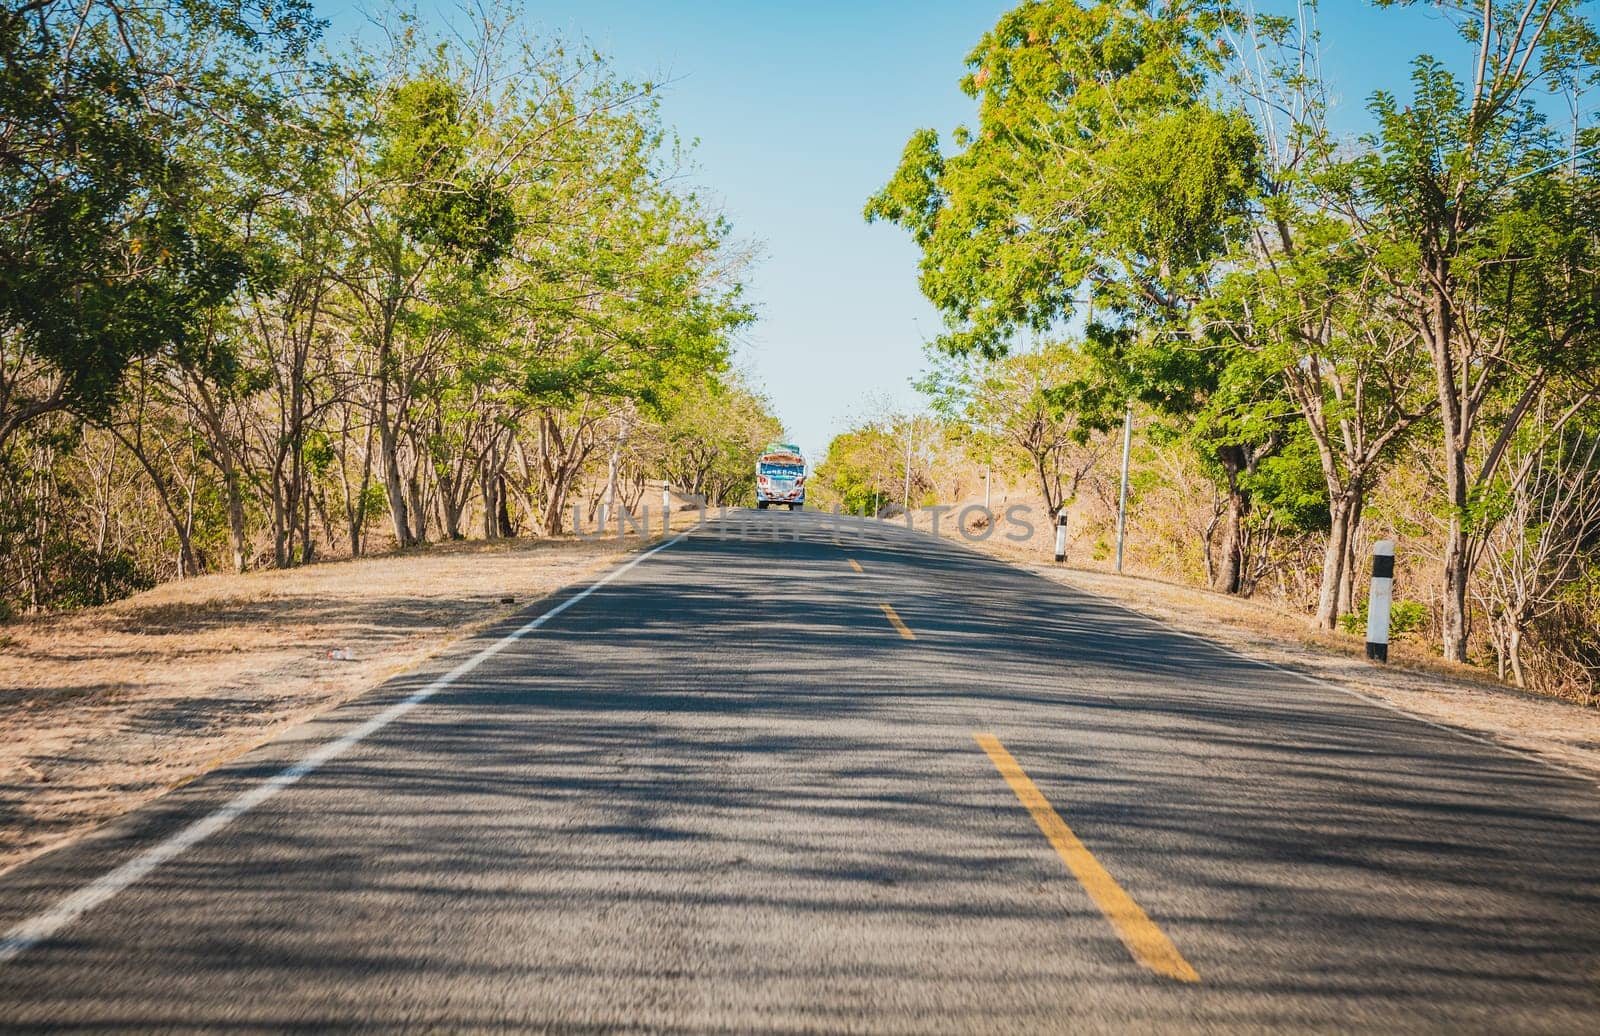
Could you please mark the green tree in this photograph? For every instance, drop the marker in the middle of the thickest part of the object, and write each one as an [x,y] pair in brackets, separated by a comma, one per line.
[1316,319]
[1487,246]
[863,469]
[424,220]
[114,240]
[1023,408]
[1099,173]
[711,432]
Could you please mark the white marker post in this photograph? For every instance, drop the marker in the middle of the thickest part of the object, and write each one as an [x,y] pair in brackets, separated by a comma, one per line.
[666,508]
[1061,534]
[1378,600]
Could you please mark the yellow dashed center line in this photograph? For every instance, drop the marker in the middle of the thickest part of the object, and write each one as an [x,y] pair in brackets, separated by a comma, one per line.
[1148,943]
[854,564]
[894,620]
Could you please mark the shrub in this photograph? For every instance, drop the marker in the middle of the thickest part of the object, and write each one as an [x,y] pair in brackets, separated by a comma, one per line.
[1404,617]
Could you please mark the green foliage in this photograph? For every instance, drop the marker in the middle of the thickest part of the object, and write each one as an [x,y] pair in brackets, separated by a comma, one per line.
[862,470]
[288,293]
[1480,234]
[1095,166]
[1027,411]
[114,237]
[425,150]
[1289,485]
[1405,617]
[1101,173]
[710,434]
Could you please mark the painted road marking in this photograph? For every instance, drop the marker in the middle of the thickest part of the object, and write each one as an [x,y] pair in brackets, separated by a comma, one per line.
[894,620]
[1148,943]
[41,926]
[854,564]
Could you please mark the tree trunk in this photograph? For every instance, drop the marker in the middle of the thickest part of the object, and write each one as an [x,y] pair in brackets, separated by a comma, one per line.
[1334,559]
[236,527]
[492,490]
[389,447]
[280,543]
[452,518]
[308,544]
[225,453]
[1352,563]
[554,518]
[416,491]
[1051,490]
[1230,559]
[1456,560]
[358,513]
[188,561]
[1457,572]
[503,506]
[453,493]
[612,473]
[324,519]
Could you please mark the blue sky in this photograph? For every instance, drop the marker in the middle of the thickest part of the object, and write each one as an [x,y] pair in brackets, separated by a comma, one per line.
[801,111]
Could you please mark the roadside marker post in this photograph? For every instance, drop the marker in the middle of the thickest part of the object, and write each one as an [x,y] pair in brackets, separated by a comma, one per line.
[1061,534]
[1379,599]
[666,510]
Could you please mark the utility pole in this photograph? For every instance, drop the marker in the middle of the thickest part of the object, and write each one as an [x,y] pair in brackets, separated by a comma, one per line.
[907,503]
[988,461]
[1122,501]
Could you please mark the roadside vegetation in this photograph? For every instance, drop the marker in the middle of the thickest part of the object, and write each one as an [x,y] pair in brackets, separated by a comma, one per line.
[267,298]
[1320,342]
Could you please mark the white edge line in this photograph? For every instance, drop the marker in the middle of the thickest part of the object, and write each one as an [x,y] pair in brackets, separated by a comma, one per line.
[41,926]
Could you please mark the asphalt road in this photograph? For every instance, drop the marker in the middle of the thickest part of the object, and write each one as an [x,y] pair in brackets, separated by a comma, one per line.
[730,790]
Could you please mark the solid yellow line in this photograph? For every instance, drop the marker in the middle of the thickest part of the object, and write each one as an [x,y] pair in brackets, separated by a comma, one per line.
[894,620]
[854,564]
[1148,943]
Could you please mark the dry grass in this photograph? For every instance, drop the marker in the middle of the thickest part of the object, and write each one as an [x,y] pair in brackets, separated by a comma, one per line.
[1416,680]
[104,709]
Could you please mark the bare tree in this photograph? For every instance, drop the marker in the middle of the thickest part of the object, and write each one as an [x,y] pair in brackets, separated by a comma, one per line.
[1549,523]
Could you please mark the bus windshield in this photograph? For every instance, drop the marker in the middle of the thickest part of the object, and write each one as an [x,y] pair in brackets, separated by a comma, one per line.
[782,470]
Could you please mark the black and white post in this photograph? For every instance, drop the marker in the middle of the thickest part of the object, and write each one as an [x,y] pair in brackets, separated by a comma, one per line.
[1061,534]
[1378,600]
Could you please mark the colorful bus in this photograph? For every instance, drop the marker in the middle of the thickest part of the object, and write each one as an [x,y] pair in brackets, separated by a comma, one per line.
[781,476]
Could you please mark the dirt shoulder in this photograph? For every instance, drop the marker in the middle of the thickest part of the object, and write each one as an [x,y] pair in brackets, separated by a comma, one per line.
[104,709]
[1415,681]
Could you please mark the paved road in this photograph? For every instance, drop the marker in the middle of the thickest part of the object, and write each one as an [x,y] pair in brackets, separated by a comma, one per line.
[703,798]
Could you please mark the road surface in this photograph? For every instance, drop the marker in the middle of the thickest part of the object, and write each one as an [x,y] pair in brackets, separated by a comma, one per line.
[797,782]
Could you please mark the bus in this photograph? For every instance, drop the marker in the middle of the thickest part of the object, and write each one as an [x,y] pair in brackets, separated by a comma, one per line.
[781,476]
